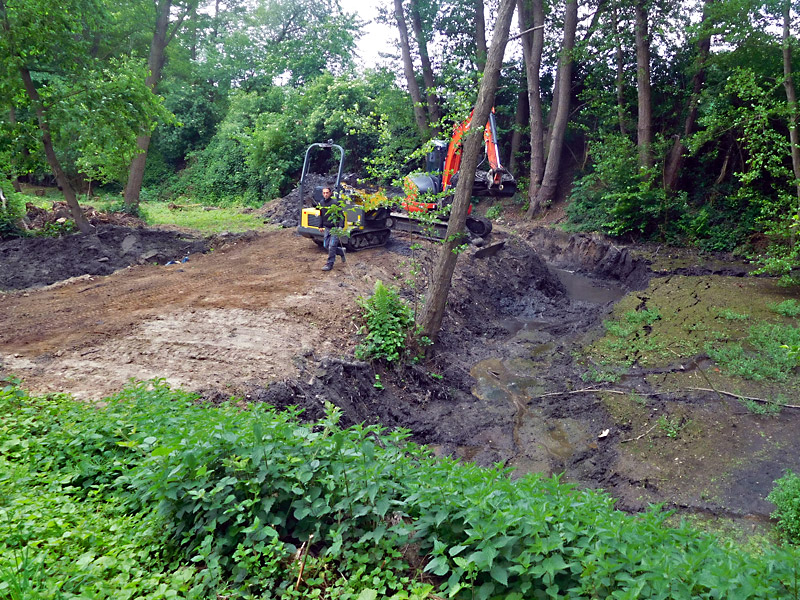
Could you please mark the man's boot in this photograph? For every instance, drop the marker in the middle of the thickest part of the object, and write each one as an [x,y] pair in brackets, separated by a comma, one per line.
[328,266]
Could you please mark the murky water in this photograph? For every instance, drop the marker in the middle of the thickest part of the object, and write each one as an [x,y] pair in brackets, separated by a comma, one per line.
[512,384]
[585,289]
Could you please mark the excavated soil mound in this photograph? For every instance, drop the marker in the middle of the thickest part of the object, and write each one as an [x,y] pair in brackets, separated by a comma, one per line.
[38,218]
[34,262]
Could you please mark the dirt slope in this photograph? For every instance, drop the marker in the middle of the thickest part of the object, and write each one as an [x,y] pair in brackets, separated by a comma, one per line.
[236,314]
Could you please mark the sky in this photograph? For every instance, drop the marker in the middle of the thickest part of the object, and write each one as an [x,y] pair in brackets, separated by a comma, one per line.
[377,38]
[382,38]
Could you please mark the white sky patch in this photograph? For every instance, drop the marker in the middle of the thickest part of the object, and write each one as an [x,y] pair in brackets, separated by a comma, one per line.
[377,38]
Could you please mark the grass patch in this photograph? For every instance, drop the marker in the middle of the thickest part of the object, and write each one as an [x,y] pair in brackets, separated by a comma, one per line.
[629,339]
[219,220]
[727,313]
[788,308]
[230,218]
[678,317]
[762,355]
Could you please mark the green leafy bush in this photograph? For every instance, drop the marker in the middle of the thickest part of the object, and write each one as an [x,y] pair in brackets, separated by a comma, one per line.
[388,324]
[11,210]
[494,212]
[786,498]
[155,496]
[617,197]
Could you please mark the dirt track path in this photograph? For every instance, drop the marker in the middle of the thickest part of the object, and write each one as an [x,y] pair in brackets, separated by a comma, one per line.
[219,320]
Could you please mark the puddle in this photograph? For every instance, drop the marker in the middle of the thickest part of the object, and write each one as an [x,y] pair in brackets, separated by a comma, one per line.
[538,444]
[585,289]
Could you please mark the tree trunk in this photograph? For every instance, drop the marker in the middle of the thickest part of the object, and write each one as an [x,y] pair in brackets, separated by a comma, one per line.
[620,60]
[434,113]
[480,36]
[194,25]
[520,120]
[545,194]
[408,66]
[154,63]
[791,99]
[439,287]
[645,97]
[676,154]
[61,178]
[531,14]
[12,119]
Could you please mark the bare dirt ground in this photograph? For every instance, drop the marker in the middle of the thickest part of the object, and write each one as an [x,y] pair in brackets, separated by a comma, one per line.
[253,316]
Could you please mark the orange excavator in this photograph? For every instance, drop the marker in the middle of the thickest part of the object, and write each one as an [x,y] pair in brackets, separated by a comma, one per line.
[425,192]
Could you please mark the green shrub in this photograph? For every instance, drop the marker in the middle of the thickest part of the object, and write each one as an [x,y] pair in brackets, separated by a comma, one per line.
[11,211]
[781,261]
[388,324]
[494,212]
[617,197]
[786,498]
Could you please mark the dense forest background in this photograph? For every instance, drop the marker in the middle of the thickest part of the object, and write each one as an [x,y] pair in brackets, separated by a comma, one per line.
[653,120]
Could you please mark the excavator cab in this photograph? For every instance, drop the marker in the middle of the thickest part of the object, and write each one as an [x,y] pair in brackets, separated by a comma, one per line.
[427,191]
[443,162]
[363,226]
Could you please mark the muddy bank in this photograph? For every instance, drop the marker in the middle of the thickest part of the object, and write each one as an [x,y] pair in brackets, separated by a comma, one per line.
[508,384]
[505,341]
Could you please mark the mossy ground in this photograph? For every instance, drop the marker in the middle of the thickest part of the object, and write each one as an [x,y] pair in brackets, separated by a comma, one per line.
[686,435]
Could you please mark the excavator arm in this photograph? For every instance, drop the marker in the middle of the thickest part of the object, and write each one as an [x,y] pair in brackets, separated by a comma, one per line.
[496,179]
[422,190]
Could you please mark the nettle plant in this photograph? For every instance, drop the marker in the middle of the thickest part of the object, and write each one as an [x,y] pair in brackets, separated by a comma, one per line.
[388,325]
[246,502]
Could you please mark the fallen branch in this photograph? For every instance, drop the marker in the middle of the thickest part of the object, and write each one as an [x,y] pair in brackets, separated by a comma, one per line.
[590,390]
[732,395]
[174,206]
[693,389]
[638,437]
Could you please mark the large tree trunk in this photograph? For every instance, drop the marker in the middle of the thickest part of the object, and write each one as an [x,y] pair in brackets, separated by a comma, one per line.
[547,191]
[531,14]
[434,112]
[12,119]
[61,178]
[620,60]
[439,287]
[791,99]
[645,96]
[678,150]
[520,120]
[480,36]
[154,63]
[408,67]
